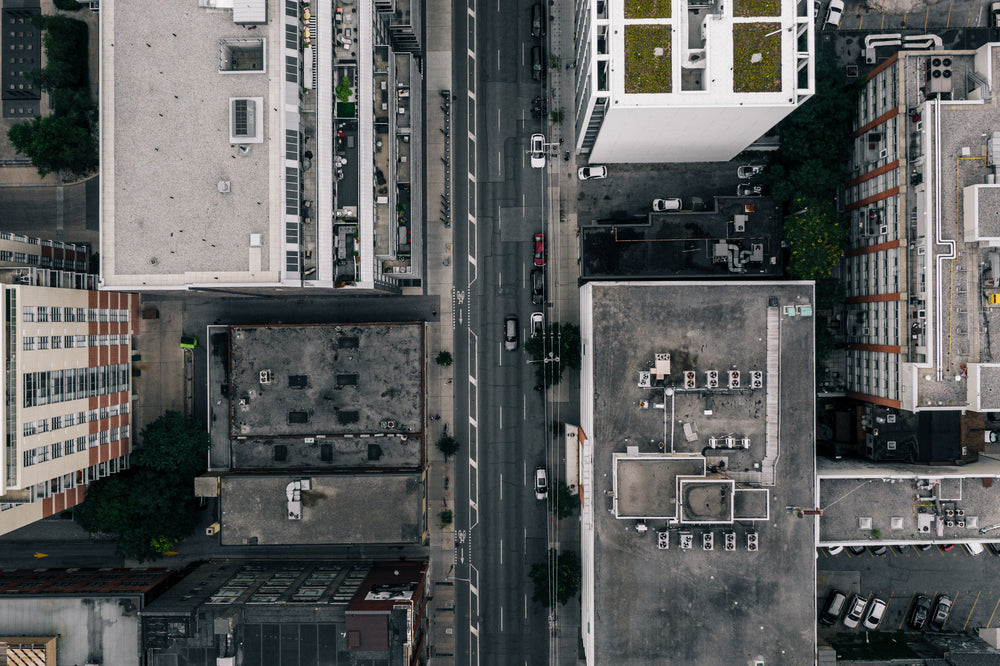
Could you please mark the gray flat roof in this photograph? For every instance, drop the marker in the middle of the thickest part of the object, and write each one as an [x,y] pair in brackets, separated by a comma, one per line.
[358,379]
[654,606]
[166,146]
[382,508]
[86,627]
[328,453]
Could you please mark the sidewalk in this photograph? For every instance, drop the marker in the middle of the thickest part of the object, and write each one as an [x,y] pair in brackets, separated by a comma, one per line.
[440,336]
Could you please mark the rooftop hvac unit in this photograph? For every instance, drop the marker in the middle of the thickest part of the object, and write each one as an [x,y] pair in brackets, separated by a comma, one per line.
[713,442]
[960,513]
[939,75]
[949,512]
[730,442]
[687,540]
[744,443]
[756,379]
[734,379]
[689,379]
[730,541]
[949,523]
[707,541]
[712,379]
[644,380]
[890,445]
[961,523]
[212,529]
[663,540]
[266,376]
[890,418]
[752,542]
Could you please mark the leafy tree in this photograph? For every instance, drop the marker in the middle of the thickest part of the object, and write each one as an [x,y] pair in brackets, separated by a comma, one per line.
[68,5]
[562,502]
[55,143]
[447,445]
[65,41]
[344,90]
[816,237]
[560,341]
[444,518]
[151,506]
[567,584]
[444,358]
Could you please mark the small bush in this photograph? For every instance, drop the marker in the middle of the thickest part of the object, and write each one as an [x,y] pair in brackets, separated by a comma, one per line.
[447,445]
[445,518]
[444,358]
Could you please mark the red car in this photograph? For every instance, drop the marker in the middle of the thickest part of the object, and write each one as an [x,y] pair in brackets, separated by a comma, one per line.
[539,249]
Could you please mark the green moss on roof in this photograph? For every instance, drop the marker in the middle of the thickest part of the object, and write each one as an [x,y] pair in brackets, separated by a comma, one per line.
[757,57]
[647,9]
[757,8]
[645,70]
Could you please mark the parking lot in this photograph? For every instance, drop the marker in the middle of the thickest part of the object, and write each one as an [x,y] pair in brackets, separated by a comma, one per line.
[919,15]
[898,577]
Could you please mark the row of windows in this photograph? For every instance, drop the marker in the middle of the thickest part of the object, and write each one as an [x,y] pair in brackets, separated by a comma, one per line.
[35,260]
[43,313]
[68,481]
[48,452]
[30,342]
[55,386]
[70,420]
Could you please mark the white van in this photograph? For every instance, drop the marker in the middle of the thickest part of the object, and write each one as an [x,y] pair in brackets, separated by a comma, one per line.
[974,548]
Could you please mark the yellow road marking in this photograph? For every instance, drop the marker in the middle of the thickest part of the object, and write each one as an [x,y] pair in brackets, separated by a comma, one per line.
[927,15]
[993,613]
[882,26]
[912,597]
[948,24]
[971,611]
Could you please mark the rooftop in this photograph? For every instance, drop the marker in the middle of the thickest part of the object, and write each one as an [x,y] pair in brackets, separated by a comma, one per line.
[303,381]
[897,503]
[705,459]
[742,236]
[181,200]
[379,508]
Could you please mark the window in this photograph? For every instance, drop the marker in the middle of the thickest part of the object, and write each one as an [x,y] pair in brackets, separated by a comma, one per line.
[29,343]
[29,458]
[291,190]
[68,341]
[102,315]
[57,450]
[92,440]
[56,342]
[43,313]
[292,69]
[29,313]
[20,257]
[104,437]
[123,315]
[104,339]
[246,120]
[92,314]
[69,420]
[81,443]
[105,412]
[91,340]
[292,145]
[56,422]
[43,453]
[81,314]
[69,314]
[6,255]
[81,341]
[92,415]
[43,342]
[29,428]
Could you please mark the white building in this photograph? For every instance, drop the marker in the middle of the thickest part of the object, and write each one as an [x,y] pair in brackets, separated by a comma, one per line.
[689,80]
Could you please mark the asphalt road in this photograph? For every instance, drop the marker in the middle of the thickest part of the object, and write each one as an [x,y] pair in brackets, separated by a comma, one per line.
[502,529]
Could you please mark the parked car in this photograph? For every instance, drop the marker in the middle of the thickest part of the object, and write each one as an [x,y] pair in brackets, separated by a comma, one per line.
[941,610]
[537,20]
[974,548]
[856,550]
[873,617]
[541,483]
[189,342]
[817,9]
[923,547]
[537,287]
[994,548]
[833,608]
[855,610]
[510,332]
[834,13]
[879,550]
[537,323]
[749,190]
[592,172]
[539,249]
[537,67]
[900,549]
[921,609]
[748,171]
[995,14]
[835,550]
[945,547]
[661,205]
[537,151]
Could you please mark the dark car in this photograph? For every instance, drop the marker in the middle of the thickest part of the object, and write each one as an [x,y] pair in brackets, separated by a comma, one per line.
[539,249]
[921,608]
[941,610]
[923,547]
[749,190]
[537,20]
[856,550]
[879,550]
[834,608]
[993,547]
[537,69]
[537,287]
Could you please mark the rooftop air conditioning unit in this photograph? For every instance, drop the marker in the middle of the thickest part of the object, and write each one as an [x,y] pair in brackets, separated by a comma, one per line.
[689,379]
[756,379]
[687,540]
[734,379]
[707,541]
[939,75]
[890,418]
[890,445]
[713,442]
[730,541]
[712,378]
[663,540]
[644,381]
[752,542]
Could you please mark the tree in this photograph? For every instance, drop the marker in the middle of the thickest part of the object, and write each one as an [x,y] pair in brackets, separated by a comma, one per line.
[816,237]
[55,143]
[344,90]
[562,502]
[151,506]
[567,571]
[447,445]
[444,358]
[445,518]
[559,341]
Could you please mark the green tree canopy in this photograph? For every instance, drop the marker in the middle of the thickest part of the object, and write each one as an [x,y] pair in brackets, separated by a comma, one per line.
[560,341]
[150,506]
[815,235]
[566,567]
[55,143]
[447,445]
[562,502]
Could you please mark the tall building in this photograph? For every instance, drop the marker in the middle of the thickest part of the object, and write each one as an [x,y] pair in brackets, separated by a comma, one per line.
[67,411]
[19,250]
[922,269]
[696,448]
[689,80]
[260,144]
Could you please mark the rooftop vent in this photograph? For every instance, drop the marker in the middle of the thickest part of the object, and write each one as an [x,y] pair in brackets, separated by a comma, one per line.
[280,453]
[865,522]
[896,523]
[225,187]
[347,380]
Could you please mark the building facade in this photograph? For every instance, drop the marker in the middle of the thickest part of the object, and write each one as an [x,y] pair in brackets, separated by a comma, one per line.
[919,269]
[67,411]
[296,171]
[697,82]
[17,250]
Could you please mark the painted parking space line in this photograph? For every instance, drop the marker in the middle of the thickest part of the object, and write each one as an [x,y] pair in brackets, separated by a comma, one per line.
[971,611]
[907,610]
[953,600]
[993,613]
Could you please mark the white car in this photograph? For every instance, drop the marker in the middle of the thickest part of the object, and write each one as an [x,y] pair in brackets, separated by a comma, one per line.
[873,617]
[541,483]
[537,151]
[834,13]
[854,611]
[663,205]
[537,323]
[592,172]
